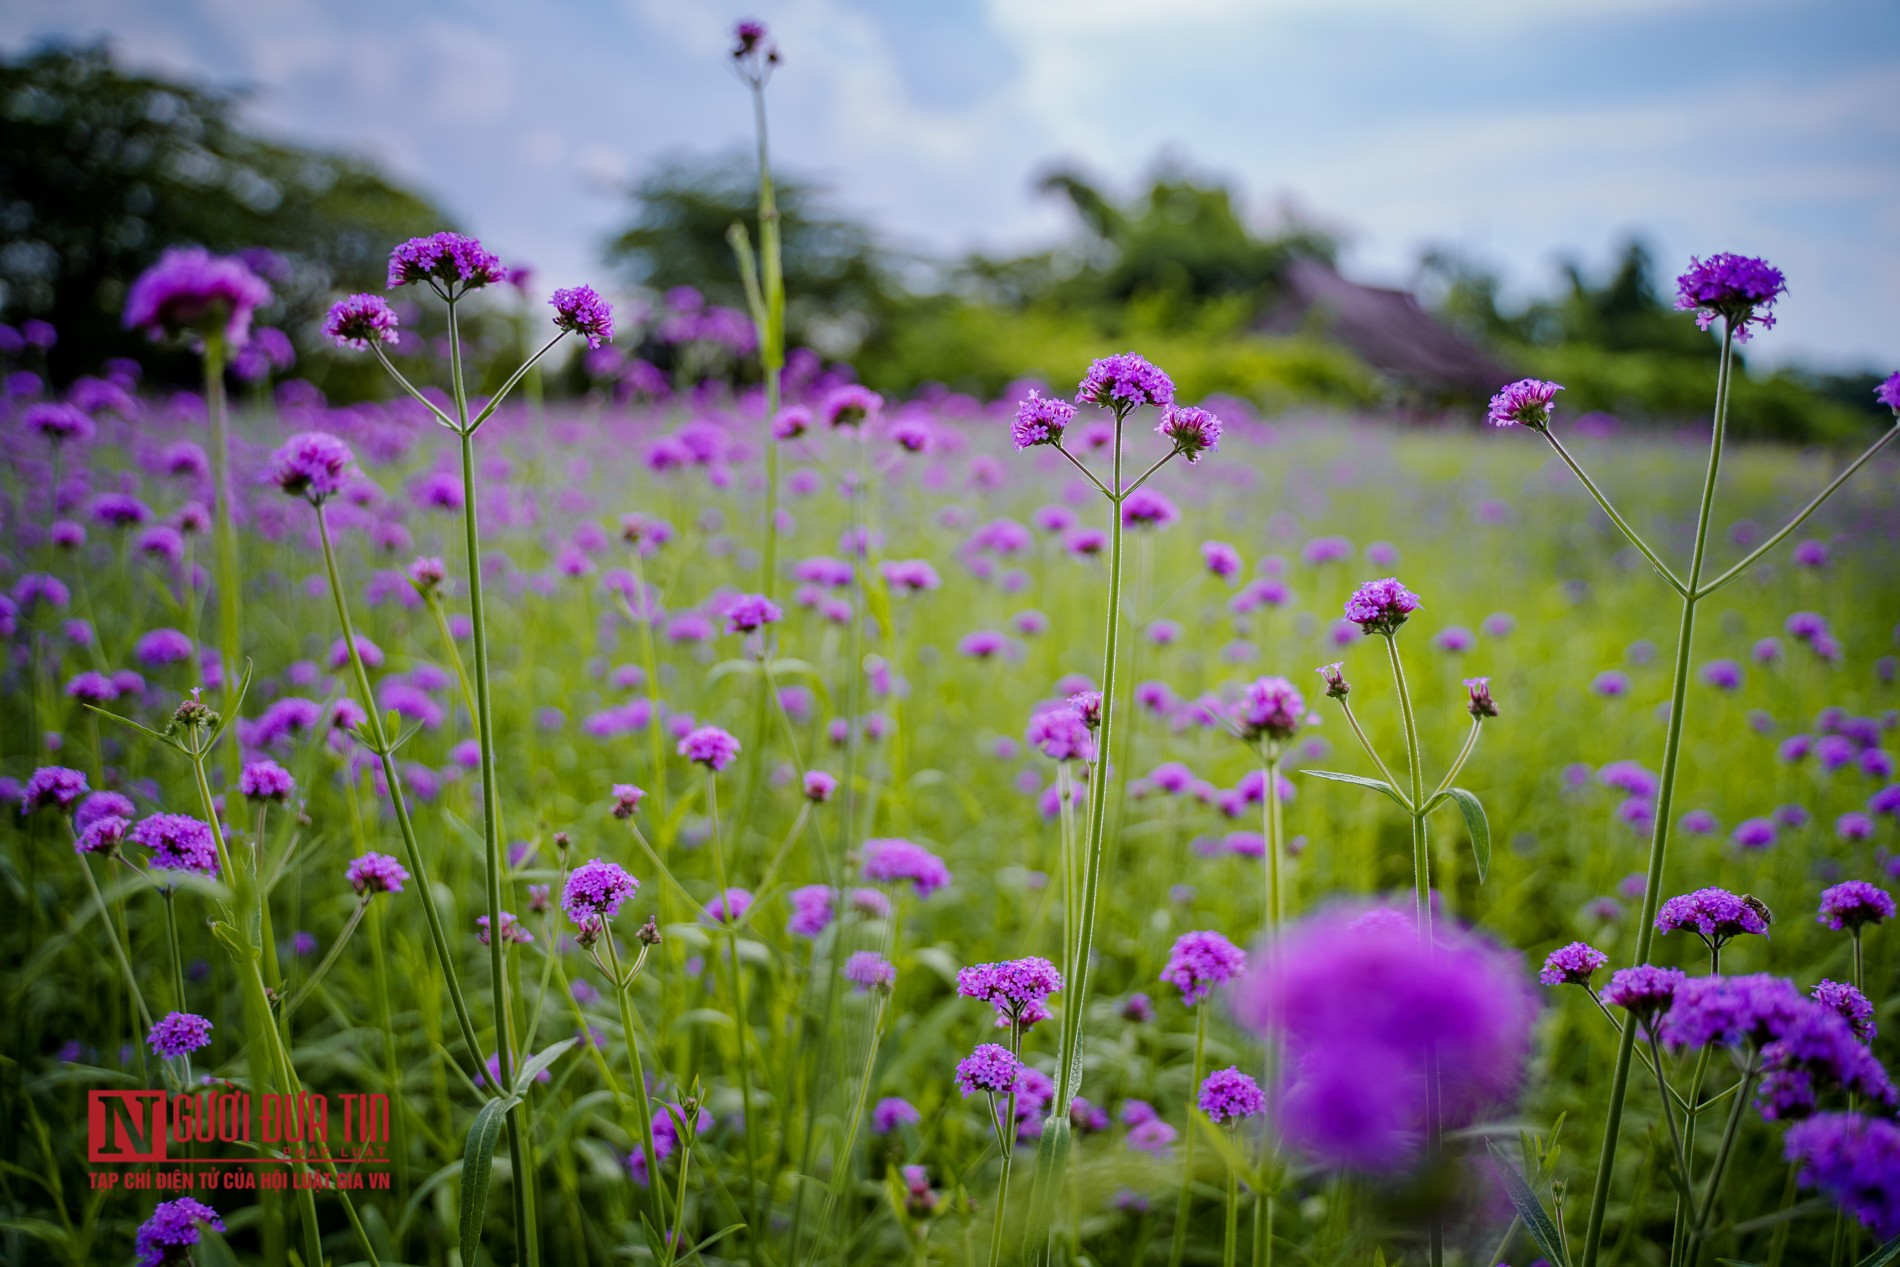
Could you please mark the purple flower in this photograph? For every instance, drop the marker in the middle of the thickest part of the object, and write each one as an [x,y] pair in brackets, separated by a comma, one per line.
[1729,1010]
[191,289]
[894,861]
[1855,1160]
[53,785]
[1380,607]
[1723,675]
[811,910]
[913,575]
[102,835]
[265,780]
[1357,1004]
[1888,393]
[1145,508]
[990,1068]
[1643,991]
[1572,964]
[1714,915]
[178,842]
[1153,1136]
[868,970]
[752,611]
[179,1034]
[375,873]
[311,465]
[512,930]
[1755,833]
[595,891]
[1853,905]
[1061,735]
[165,1239]
[59,422]
[1123,382]
[1478,701]
[1017,988]
[1194,431]
[730,906]
[360,321]
[1221,559]
[819,786]
[580,310]
[1850,1005]
[709,746]
[1040,420]
[1228,1095]
[627,798]
[1200,963]
[451,263]
[1738,288]
[1611,683]
[850,406]
[890,1113]
[1271,708]
[1523,403]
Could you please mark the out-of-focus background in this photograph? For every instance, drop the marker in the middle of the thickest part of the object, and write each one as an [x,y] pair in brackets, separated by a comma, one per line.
[1347,204]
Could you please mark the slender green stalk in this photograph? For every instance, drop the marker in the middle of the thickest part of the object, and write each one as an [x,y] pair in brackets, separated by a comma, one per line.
[642,1106]
[118,949]
[1182,1201]
[178,958]
[735,982]
[520,1149]
[1006,1140]
[1230,1245]
[1722,1153]
[1635,539]
[1665,799]
[329,959]
[392,1071]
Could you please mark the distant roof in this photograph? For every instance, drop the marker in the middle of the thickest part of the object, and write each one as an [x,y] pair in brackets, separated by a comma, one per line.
[1388,329]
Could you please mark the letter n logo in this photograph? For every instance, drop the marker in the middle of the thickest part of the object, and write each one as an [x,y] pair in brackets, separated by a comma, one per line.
[125,1126]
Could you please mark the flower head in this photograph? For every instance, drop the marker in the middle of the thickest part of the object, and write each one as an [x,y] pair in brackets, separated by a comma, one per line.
[580,310]
[179,1034]
[451,263]
[361,321]
[1850,1005]
[1062,735]
[1194,431]
[1124,381]
[512,930]
[891,1112]
[1200,963]
[265,780]
[312,466]
[709,746]
[1738,288]
[165,1239]
[850,406]
[819,786]
[1335,677]
[1572,964]
[1017,988]
[1228,1095]
[376,873]
[1643,991]
[791,422]
[1853,905]
[59,422]
[191,289]
[627,798]
[1040,420]
[1524,403]
[102,835]
[896,861]
[1271,708]
[730,906]
[1380,607]
[53,786]
[868,970]
[1714,915]
[178,842]
[990,1068]
[752,611]
[1480,704]
[595,891]
[1855,1160]
[1888,393]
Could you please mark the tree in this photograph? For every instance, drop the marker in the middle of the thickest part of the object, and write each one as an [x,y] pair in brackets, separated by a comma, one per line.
[101,169]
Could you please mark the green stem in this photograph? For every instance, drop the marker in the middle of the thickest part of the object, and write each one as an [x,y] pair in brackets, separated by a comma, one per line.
[178,959]
[1722,1152]
[1182,1202]
[335,952]
[1006,1138]
[118,949]
[1665,797]
[1366,743]
[230,585]
[1230,1247]
[736,984]
[643,1108]
[1662,569]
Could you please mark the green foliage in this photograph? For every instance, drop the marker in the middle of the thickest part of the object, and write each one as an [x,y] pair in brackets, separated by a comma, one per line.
[103,168]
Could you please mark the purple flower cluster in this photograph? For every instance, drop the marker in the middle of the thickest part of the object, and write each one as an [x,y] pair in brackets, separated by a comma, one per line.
[179,1034]
[1040,420]
[376,873]
[1061,735]
[896,861]
[166,1239]
[451,262]
[1644,991]
[730,906]
[892,1112]
[1017,988]
[868,970]
[512,930]
[1194,431]
[1525,403]
[265,780]
[709,746]
[1715,915]
[751,611]
[1270,708]
[1124,381]
[990,1068]
[191,289]
[178,842]
[53,786]
[1380,607]
[1738,288]
[580,310]
[1200,963]
[1853,905]
[1855,1160]
[360,321]
[1228,1095]
[1572,964]
[666,1139]
[595,891]
[311,465]
[1358,1003]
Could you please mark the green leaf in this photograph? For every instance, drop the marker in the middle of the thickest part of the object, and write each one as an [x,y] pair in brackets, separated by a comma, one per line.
[1477,825]
[534,1064]
[236,706]
[720,1235]
[1377,785]
[129,724]
[478,1158]
[1223,1143]
[1888,1253]
[1536,1221]
[1736,1262]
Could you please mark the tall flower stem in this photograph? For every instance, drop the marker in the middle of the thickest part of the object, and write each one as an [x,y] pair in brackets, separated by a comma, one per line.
[735,982]
[1722,1153]
[224,526]
[642,1107]
[1665,798]
[1230,1244]
[520,1149]
[1182,1202]
[1052,1155]
[178,958]
[1006,1140]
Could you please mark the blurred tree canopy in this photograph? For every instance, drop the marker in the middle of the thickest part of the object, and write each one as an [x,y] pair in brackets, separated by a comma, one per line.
[101,169]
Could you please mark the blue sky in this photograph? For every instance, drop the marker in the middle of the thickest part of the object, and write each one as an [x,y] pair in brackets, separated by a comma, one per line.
[1517,130]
